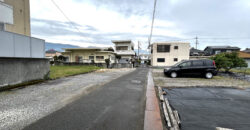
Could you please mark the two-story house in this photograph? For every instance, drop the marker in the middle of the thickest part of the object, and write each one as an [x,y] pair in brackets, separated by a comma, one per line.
[124,50]
[169,53]
[213,50]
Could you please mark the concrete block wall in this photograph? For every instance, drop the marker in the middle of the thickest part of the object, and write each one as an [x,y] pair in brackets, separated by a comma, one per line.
[19,70]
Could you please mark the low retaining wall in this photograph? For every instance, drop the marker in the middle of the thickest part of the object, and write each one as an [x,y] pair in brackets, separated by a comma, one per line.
[76,63]
[104,65]
[20,70]
[122,65]
[199,57]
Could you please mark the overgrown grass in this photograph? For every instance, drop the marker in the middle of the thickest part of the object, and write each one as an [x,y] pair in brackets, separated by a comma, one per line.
[64,71]
[246,71]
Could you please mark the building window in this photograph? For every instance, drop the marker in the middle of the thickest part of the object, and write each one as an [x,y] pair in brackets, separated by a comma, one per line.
[118,48]
[176,47]
[163,48]
[91,57]
[160,59]
[175,59]
[99,57]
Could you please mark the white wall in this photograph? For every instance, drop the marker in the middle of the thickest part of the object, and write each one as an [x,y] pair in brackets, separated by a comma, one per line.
[15,45]
[182,53]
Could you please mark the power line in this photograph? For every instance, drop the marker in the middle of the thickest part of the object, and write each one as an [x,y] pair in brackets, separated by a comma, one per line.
[70,21]
[66,16]
[152,24]
[227,38]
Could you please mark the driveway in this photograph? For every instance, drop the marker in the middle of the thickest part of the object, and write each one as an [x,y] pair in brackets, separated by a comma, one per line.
[117,105]
[21,107]
[208,108]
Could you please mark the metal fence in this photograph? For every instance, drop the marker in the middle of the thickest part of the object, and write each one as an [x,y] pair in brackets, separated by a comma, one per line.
[16,45]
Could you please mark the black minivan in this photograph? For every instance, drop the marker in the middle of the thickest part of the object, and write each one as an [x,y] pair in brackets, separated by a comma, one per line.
[204,67]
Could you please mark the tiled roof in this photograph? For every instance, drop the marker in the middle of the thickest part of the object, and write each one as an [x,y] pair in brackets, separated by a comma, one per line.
[223,47]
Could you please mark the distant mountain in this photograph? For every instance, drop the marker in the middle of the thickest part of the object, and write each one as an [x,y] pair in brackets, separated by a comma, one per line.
[58,46]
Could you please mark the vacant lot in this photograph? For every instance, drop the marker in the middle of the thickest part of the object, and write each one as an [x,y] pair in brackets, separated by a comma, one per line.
[245,71]
[218,81]
[207,108]
[63,71]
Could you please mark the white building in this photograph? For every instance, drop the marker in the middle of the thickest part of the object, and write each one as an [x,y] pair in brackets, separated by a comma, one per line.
[145,57]
[169,53]
[124,50]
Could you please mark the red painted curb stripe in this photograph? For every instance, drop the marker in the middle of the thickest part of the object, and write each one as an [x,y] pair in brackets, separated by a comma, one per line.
[152,120]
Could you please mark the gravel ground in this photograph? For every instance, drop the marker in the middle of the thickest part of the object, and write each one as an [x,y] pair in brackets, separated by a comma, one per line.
[21,107]
[218,81]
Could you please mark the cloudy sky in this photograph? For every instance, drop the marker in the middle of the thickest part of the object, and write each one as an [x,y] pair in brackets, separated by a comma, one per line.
[97,22]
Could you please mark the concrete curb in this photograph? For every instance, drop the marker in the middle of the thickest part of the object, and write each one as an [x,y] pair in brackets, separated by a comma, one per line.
[171,116]
[152,120]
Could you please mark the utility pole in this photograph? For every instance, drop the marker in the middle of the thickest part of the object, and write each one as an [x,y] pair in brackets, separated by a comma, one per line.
[152,24]
[196,43]
[138,49]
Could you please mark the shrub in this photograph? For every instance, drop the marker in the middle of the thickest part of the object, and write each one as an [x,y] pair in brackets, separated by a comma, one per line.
[228,61]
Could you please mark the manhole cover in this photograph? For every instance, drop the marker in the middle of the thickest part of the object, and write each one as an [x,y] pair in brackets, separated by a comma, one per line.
[136,81]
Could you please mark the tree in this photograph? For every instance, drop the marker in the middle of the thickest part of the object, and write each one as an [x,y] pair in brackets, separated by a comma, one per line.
[61,58]
[55,58]
[228,61]
[107,62]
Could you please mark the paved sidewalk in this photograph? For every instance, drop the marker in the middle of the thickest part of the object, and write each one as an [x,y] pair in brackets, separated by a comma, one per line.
[118,105]
[21,107]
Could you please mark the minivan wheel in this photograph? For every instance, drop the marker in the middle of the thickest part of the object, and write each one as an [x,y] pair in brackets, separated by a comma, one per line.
[209,75]
[173,74]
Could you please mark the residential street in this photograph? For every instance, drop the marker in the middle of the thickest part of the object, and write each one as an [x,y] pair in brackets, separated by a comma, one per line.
[118,104]
[21,107]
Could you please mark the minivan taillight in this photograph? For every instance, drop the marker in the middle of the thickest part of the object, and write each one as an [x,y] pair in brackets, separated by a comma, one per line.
[214,64]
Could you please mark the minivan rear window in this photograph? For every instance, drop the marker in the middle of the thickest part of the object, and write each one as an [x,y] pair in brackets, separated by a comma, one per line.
[197,63]
[209,63]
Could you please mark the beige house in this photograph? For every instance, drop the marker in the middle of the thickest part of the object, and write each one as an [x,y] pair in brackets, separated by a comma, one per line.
[15,16]
[124,50]
[89,55]
[169,53]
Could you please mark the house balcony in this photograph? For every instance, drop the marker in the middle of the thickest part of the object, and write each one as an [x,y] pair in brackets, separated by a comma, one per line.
[6,16]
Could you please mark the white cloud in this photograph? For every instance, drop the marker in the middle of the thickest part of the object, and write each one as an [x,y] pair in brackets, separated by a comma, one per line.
[128,19]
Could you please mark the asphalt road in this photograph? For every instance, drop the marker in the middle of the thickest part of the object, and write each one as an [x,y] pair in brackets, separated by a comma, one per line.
[117,105]
[208,108]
